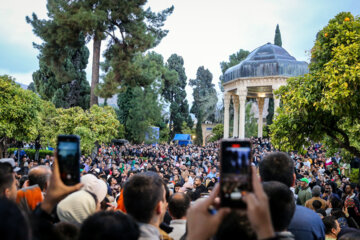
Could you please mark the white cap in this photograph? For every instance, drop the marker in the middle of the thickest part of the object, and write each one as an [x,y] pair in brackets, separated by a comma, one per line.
[94,185]
[10,161]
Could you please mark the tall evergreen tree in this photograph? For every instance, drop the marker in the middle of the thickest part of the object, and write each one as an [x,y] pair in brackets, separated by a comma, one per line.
[140,107]
[130,28]
[64,89]
[205,97]
[174,92]
[277,38]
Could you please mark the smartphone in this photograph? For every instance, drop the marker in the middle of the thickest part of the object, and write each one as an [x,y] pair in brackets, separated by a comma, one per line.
[235,172]
[68,154]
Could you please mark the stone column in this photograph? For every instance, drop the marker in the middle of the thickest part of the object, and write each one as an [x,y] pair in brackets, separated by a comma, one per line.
[260,121]
[227,97]
[235,99]
[276,100]
[242,100]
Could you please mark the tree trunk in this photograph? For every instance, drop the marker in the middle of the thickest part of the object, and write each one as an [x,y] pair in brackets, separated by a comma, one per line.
[95,70]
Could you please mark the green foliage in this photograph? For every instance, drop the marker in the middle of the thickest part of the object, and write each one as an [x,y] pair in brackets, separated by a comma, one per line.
[324,104]
[174,92]
[97,124]
[62,81]
[218,132]
[140,107]
[31,152]
[31,87]
[19,111]
[234,59]
[354,176]
[199,137]
[277,38]
[251,126]
[205,96]
[130,28]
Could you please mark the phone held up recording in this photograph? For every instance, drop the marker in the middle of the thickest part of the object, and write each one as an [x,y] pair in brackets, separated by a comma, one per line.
[235,173]
[68,154]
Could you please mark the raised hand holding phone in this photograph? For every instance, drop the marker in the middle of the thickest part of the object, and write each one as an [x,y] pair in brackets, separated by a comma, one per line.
[235,174]
[57,190]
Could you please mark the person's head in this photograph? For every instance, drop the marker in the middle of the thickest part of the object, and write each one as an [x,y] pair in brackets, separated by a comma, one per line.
[328,188]
[40,175]
[281,203]
[198,181]
[349,189]
[213,170]
[316,191]
[13,225]
[177,187]
[332,226]
[277,166]
[304,183]
[178,205]
[316,205]
[7,181]
[78,206]
[145,198]
[109,225]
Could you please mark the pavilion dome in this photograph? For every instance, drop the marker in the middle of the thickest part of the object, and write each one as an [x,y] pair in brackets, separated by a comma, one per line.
[267,60]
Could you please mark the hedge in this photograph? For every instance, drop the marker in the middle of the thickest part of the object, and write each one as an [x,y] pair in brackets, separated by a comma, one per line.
[31,152]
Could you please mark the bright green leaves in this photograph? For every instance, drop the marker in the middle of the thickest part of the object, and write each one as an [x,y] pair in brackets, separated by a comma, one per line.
[324,104]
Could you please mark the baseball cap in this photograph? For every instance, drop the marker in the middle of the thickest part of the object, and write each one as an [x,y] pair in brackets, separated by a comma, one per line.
[304,180]
[10,161]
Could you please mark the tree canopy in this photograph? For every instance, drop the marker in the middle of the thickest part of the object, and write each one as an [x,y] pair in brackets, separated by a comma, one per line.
[19,111]
[324,104]
[174,92]
[126,25]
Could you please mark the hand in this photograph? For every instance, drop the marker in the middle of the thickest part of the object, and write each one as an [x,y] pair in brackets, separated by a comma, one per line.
[258,210]
[201,224]
[57,190]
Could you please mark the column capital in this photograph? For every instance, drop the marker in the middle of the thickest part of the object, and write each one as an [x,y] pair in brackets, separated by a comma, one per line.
[227,98]
[241,92]
[235,99]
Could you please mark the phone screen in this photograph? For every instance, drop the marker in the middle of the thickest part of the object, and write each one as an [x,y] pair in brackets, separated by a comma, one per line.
[68,151]
[235,175]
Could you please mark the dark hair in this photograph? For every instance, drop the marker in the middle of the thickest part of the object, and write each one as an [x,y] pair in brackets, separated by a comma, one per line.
[354,234]
[6,177]
[337,213]
[142,192]
[22,180]
[13,225]
[329,223]
[66,231]
[335,202]
[178,205]
[281,203]
[316,204]
[39,177]
[277,166]
[109,225]
[321,211]
[235,224]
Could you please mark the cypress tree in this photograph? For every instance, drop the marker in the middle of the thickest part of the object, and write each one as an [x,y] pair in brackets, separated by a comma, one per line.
[277,39]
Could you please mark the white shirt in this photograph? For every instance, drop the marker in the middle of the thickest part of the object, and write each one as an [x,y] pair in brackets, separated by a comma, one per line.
[179,228]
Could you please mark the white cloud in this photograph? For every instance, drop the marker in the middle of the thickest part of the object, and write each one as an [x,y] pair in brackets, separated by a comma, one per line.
[24,78]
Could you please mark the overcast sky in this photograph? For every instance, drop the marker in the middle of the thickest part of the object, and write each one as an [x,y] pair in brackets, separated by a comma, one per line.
[203,32]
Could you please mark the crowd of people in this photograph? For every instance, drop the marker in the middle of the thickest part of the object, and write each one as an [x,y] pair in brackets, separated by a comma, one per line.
[167,191]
